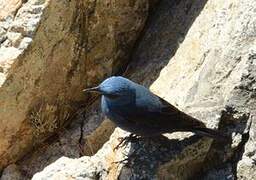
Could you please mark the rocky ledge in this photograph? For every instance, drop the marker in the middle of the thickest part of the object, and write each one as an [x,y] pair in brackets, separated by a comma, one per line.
[198,55]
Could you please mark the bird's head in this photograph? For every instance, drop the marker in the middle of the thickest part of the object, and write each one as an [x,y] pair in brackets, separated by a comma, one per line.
[113,87]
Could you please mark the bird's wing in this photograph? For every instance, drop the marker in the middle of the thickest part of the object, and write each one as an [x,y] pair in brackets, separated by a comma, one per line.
[154,112]
[183,119]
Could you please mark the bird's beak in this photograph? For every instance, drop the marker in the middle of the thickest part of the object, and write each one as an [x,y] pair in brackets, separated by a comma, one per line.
[94,89]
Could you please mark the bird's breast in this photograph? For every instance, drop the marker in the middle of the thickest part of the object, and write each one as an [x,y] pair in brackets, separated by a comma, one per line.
[124,116]
[115,112]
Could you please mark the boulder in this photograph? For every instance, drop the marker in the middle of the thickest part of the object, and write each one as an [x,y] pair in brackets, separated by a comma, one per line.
[12,172]
[51,51]
[207,49]
[9,7]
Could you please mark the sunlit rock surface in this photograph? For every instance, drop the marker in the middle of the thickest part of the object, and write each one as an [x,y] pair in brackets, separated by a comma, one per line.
[50,50]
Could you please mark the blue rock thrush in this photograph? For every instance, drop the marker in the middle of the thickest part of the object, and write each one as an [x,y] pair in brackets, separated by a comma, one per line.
[134,108]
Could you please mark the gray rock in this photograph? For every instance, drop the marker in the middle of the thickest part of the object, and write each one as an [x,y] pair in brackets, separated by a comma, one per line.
[24,43]
[14,39]
[222,173]
[2,35]
[6,22]
[12,172]
[27,19]
[246,168]
[210,74]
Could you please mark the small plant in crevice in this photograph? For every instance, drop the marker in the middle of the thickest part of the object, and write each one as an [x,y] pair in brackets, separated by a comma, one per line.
[43,119]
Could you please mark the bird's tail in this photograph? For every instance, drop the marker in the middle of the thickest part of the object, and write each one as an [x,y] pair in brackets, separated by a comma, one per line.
[211,133]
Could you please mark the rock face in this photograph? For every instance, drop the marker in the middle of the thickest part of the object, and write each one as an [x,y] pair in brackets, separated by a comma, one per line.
[18,22]
[210,50]
[75,44]
[9,7]
[246,166]
[97,166]
[12,172]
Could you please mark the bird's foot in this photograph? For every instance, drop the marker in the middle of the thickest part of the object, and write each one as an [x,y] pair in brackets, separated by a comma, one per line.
[125,140]
[127,161]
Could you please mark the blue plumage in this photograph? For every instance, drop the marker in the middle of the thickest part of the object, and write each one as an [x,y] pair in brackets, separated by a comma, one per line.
[136,109]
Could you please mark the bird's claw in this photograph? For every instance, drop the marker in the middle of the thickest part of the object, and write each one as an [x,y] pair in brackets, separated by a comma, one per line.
[123,161]
[126,161]
[123,141]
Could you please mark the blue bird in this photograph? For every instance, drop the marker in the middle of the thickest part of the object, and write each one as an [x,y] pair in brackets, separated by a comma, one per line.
[134,108]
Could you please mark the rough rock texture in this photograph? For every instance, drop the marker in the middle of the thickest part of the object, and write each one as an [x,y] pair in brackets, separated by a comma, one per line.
[246,168]
[84,136]
[211,74]
[12,172]
[9,7]
[94,167]
[75,44]
[18,22]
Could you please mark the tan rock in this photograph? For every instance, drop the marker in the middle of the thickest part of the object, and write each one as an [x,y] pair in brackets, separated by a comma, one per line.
[84,136]
[101,164]
[9,7]
[210,50]
[76,44]
[95,140]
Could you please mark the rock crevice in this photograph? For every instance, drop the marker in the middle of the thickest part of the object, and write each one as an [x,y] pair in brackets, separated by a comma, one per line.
[197,55]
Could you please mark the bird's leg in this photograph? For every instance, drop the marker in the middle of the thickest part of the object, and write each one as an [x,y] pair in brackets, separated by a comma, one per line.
[127,160]
[125,140]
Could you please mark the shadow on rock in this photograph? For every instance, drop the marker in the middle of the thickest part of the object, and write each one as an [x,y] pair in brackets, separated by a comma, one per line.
[148,158]
[165,30]
[236,124]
